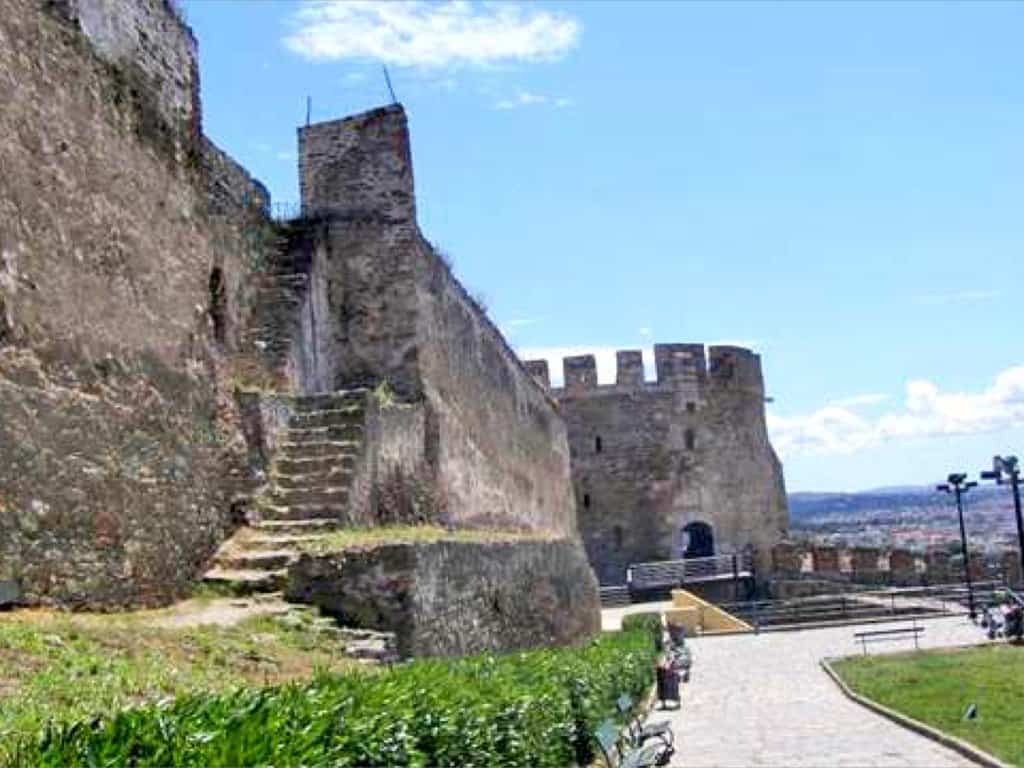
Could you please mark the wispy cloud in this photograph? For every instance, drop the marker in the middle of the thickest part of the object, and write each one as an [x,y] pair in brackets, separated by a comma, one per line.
[519,322]
[859,400]
[971,296]
[430,35]
[527,99]
[927,411]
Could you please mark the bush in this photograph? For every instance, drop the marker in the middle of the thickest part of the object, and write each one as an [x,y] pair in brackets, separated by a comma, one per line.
[649,622]
[531,709]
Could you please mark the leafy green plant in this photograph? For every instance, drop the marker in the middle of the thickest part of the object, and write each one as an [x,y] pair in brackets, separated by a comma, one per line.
[649,622]
[535,709]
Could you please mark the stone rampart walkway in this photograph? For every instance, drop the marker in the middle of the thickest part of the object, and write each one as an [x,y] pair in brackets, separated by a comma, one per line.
[763,700]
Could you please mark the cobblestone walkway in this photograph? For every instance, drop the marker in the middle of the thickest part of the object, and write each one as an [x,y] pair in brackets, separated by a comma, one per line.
[763,700]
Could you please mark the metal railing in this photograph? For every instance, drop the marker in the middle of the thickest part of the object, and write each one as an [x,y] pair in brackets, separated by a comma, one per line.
[668,573]
[945,599]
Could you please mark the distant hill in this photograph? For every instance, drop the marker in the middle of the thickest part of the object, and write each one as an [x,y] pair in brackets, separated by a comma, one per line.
[811,507]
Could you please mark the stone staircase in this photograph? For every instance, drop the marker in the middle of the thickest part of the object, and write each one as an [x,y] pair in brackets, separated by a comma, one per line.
[311,479]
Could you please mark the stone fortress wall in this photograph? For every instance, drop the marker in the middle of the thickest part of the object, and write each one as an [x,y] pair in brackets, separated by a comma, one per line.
[120,455]
[650,459]
[383,309]
[155,323]
[891,567]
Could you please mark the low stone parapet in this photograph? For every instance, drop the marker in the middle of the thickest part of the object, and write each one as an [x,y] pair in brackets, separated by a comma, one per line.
[450,598]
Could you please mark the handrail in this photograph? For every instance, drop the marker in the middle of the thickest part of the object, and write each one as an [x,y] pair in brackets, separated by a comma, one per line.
[673,572]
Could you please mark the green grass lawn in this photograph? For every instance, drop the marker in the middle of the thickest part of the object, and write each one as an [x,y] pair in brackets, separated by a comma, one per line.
[936,687]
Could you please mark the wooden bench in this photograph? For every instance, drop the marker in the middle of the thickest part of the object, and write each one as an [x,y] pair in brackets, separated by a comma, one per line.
[638,731]
[618,754]
[888,634]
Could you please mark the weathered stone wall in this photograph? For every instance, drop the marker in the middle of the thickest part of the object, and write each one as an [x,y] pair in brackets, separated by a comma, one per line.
[120,452]
[650,458]
[154,53]
[887,567]
[457,597]
[391,313]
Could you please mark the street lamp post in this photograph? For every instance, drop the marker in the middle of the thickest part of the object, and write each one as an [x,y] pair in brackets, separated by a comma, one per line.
[957,485]
[1009,466]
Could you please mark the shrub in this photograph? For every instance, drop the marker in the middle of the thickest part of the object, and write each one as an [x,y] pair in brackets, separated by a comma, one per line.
[649,622]
[534,709]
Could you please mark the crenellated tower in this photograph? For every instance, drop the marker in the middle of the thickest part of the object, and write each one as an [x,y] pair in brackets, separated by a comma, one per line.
[679,466]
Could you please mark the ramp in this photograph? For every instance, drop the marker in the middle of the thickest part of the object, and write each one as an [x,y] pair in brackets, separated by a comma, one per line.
[699,617]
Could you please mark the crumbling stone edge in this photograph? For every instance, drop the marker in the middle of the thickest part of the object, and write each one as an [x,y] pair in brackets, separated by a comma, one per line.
[967,750]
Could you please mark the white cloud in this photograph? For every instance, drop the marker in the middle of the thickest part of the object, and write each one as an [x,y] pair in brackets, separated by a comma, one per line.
[927,412]
[526,99]
[430,35]
[285,155]
[958,297]
[858,400]
[519,322]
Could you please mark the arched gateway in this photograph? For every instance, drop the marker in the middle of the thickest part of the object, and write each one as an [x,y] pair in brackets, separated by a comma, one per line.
[698,540]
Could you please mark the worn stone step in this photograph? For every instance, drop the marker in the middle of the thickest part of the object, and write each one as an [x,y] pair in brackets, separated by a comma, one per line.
[298,526]
[304,511]
[256,560]
[329,400]
[247,581]
[289,451]
[292,541]
[353,414]
[338,476]
[338,432]
[312,465]
[336,496]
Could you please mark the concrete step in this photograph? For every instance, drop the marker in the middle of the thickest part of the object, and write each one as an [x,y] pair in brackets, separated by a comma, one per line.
[352,414]
[256,560]
[337,432]
[304,511]
[245,582]
[336,496]
[314,465]
[339,476]
[329,400]
[298,526]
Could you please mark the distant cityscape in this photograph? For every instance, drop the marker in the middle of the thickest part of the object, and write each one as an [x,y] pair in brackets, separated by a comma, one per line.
[914,518]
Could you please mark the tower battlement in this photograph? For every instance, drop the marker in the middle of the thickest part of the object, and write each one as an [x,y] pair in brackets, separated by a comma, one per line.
[679,367]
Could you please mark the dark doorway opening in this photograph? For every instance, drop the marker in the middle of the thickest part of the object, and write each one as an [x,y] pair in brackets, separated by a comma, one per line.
[698,540]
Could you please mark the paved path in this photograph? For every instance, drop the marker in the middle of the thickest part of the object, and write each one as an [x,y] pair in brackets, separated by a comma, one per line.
[763,700]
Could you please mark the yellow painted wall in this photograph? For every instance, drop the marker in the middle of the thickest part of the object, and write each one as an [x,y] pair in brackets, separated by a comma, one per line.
[701,617]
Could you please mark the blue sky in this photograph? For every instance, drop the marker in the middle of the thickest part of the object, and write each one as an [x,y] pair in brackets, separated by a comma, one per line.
[838,186]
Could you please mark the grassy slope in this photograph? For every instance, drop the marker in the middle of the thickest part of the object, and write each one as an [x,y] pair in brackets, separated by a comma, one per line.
[415,534]
[936,687]
[65,666]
